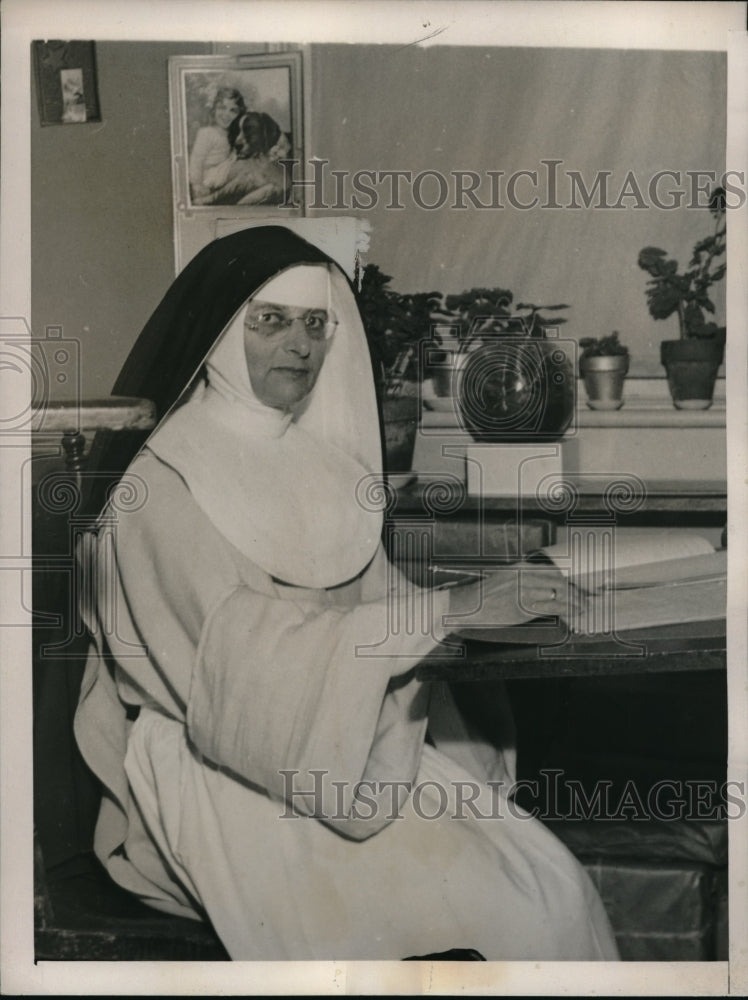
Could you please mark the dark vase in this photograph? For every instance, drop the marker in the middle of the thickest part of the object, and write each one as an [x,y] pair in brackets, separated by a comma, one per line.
[400,422]
[514,389]
[441,371]
[691,367]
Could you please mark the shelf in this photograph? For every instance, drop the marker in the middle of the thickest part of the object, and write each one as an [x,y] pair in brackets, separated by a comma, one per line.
[662,497]
[637,411]
[115,413]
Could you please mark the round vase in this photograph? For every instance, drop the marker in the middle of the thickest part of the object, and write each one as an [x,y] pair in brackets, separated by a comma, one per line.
[515,389]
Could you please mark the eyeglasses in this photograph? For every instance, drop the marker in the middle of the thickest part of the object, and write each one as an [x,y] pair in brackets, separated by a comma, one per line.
[271,321]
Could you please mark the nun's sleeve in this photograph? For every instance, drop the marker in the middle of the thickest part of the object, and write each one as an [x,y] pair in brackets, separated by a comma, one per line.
[314,704]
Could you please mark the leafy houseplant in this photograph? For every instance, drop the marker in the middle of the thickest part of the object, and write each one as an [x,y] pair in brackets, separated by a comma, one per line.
[489,310]
[460,315]
[692,361]
[511,382]
[396,325]
[603,365]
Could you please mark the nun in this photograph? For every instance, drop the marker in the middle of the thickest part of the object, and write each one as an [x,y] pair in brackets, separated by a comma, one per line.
[268,760]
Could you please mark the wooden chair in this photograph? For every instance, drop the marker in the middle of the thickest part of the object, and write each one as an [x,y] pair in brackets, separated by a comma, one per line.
[80,914]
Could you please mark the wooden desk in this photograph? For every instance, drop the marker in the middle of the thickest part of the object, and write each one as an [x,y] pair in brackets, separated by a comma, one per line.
[660,503]
[668,649]
[527,523]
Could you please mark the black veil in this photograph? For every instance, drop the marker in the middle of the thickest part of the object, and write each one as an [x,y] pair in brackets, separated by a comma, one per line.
[174,342]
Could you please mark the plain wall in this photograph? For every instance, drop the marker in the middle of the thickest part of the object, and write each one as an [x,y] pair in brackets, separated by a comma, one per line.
[101,211]
[102,228]
[630,112]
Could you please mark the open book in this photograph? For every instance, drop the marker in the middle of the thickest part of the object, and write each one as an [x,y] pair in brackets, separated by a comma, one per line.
[631,580]
[638,579]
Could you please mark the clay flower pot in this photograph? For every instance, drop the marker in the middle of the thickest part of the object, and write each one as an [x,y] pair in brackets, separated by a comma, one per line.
[443,369]
[400,416]
[691,367]
[603,380]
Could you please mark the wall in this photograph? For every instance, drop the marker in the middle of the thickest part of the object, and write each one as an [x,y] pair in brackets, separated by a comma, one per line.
[483,110]
[101,216]
[102,206]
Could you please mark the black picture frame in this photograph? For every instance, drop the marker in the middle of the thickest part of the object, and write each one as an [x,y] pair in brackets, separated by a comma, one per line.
[66,82]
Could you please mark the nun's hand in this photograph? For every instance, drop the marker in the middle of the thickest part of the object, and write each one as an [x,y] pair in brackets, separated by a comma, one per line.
[516,594]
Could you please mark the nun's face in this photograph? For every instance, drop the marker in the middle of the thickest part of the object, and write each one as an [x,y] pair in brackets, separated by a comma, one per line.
[285,347]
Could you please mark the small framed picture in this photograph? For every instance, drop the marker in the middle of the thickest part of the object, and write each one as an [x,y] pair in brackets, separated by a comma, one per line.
[66,82]
[237,133]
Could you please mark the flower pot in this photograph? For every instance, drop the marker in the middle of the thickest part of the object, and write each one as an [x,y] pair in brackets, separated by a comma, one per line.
[400,416]
[603,380]
[442,372]
[440,365]
[515,389]
[691,367]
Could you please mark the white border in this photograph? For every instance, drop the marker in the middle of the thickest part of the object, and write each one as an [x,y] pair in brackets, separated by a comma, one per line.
[637,24]
[736,367]
[699,25]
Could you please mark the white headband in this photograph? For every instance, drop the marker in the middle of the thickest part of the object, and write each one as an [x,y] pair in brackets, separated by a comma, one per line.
[306,285]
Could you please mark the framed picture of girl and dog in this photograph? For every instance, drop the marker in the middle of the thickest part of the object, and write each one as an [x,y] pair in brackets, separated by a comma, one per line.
[237,133]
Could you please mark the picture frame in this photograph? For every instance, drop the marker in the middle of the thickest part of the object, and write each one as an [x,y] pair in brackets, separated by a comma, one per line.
[236,129]
[66,82]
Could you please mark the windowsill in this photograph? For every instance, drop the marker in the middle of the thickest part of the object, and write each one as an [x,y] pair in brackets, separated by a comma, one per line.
[647,403]
[648,437]
[642,412]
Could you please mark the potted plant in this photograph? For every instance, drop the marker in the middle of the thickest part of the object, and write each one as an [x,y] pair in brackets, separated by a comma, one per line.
[512,382]
[396,325]
[441,356]
[692,361]
[603,365]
